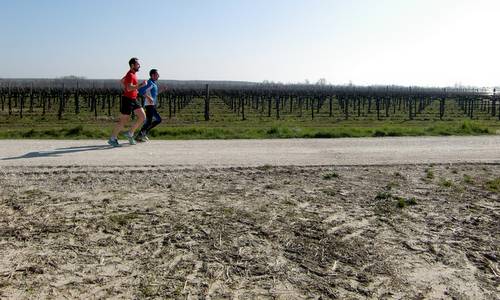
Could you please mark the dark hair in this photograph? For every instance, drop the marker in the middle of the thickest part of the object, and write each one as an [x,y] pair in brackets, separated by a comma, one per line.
[133,60]
[153,71]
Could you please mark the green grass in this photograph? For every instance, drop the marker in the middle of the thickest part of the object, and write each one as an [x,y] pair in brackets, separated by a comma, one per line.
[265,167]
[468,179]
[391,185]
[399,201]
[226,124]
[493,185]
[429,174]
[230,130]
[402,202]
[446,183]
[330,175]
[383,196]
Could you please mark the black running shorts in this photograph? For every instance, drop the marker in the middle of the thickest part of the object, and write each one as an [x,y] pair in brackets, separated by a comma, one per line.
[128,105]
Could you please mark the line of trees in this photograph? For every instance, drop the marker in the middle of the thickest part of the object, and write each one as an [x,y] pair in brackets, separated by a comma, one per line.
[101,97]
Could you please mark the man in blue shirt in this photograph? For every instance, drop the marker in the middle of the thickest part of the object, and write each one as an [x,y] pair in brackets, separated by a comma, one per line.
[150,93]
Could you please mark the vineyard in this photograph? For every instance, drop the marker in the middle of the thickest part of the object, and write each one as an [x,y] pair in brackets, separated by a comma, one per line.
[74,102]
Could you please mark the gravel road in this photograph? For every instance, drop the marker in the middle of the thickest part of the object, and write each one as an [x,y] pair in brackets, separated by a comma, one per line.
[222,153]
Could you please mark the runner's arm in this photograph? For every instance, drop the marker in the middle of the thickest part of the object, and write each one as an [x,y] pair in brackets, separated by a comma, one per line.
[131,87]
[149,99]
[146,92]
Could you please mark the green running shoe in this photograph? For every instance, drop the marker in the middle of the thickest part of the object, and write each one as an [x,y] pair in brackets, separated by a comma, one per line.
[130,138]
[114,142]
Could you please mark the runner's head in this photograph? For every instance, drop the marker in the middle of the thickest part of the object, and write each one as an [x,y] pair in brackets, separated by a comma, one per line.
[154,74]
[134,64]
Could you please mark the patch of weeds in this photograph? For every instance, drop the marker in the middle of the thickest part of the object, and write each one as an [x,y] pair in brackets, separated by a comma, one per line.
[446,183]
[494,185]
[383,196]
[402,202]
[411,201]
[459,189]
[468,179]
[228,211]
[469,127]
[429,174]
[391,185]
[331,175]
[273,130]
[330,192]
[30,290]
[124,219]
[265,167]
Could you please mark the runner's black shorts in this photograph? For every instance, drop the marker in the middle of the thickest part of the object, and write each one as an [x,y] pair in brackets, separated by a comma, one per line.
[128,105]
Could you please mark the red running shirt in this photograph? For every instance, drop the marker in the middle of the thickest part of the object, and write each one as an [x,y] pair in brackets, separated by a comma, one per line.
[130,78]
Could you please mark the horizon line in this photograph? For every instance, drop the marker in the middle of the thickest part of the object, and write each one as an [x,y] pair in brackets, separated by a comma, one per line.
[83,78]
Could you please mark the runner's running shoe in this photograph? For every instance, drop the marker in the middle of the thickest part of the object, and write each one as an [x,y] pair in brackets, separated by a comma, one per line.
[114,142]
[139,138]
[129,137]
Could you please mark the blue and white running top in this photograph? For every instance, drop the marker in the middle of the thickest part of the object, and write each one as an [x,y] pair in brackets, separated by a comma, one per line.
[151,90]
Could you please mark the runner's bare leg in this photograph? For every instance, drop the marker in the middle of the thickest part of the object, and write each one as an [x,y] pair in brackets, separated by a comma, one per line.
[120,125]
[141,116]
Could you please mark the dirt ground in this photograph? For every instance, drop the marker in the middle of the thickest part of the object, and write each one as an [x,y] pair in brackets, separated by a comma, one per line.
[374,232]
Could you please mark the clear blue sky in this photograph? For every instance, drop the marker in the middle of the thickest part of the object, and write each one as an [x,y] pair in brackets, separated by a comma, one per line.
[407,42]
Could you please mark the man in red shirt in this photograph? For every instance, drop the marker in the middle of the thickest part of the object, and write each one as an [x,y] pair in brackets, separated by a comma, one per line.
[128,104]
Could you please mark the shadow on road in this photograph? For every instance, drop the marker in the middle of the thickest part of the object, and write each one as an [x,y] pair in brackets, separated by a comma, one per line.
[59,152]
